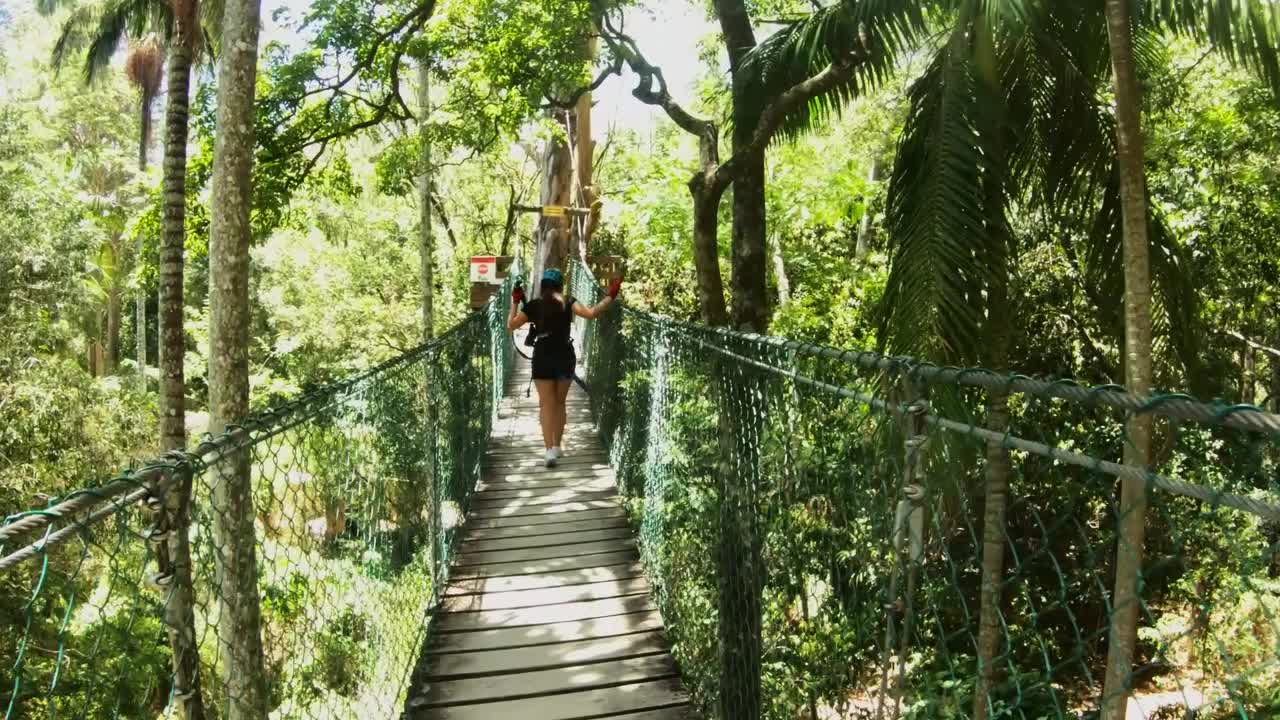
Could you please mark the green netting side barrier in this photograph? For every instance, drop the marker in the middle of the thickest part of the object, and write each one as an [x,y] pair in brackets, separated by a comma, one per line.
[357,490]
[843,535]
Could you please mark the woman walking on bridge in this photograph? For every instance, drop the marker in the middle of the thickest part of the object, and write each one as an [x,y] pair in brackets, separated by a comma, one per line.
[553,358]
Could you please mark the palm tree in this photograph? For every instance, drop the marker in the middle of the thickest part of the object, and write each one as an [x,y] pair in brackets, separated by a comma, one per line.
[144,67]
[181,30]
[100,29]
[1009,111]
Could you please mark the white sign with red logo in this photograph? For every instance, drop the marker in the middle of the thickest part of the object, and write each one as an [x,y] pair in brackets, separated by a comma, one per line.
[484,269]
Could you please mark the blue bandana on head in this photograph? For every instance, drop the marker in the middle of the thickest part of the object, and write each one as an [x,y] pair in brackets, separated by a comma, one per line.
[553,275]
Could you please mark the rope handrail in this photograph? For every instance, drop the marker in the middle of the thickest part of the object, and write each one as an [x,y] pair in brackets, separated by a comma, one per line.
[1241,416]
[1179,406]
[1269,511]
[151,477]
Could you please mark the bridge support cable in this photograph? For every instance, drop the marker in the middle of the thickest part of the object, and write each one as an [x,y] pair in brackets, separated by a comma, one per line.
[878,562]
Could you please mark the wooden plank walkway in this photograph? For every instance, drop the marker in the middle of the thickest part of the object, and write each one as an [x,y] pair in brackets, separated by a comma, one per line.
[548,615]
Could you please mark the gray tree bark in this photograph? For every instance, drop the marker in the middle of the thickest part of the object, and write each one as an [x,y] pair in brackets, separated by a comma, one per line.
[551,248]
[1137,305]
[113,327]
[742,570]
[239,628]
[1248,375]
[427,244]
[866,230]
[140,296]
[998,333]
[780,270]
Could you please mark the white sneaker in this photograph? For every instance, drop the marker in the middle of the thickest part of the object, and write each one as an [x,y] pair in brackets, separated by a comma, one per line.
[559,453]
[551,457]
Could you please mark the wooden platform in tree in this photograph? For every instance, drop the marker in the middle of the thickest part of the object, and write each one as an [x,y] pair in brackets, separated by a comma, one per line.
[548,615]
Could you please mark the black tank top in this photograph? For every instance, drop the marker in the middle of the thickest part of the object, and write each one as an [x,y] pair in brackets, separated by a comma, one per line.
[553,322]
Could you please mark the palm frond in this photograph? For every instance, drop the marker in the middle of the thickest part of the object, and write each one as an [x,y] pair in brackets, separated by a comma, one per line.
[879,31]
[101,28]
[1177,328]
[941,247]
[1247,32]
[74,34]
[49,7]
[1066,146]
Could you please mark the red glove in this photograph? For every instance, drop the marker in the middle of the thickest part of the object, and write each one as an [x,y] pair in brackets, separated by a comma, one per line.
[517,296]
[614,286]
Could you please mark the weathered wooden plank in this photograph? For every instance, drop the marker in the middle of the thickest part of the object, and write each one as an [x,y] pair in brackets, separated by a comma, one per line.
[471,545]
[542,657]
[545,596]
[559,497]
[546,476]
[501,521]
[609,673]
[508,583]
[534,567]
[566,496]
[679,712]
[586,482]
[653,695]
[516,492]
[554,509]
[532,531]
[578,436]
[535,459]
[541,614]
[502,639]
[466,559]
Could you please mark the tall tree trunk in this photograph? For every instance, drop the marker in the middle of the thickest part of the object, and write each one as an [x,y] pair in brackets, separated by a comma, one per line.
[780,270]
[1248,375]
[140,296]
[113,330]
[750,311]
[866,230]
[239,628]
[996,492]
[742,571]
[1137,306]
[706,252]
[172,347]
[173,344]
[1274,362]
[144,132]
[998,331]
[551,248]
[140,324]
[426,245]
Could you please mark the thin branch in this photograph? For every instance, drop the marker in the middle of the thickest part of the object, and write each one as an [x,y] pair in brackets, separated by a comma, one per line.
[444,220]
[645,91]
[420,14]
[614,68]
[788,102]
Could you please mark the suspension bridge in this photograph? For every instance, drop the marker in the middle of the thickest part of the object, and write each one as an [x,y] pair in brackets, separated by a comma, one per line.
[744,527]
[549,613]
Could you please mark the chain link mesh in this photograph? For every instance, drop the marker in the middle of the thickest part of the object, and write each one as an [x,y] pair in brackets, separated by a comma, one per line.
[356,491]
[834,535]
